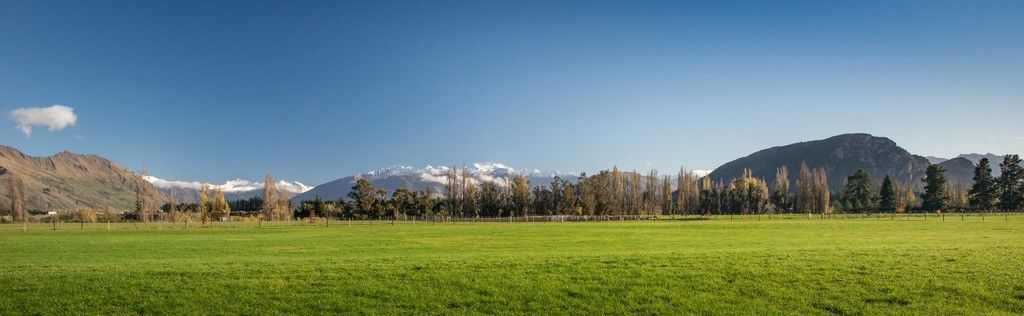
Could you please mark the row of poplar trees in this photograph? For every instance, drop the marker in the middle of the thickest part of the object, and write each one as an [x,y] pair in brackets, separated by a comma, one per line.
[615,193]
[607,193]
[212,205]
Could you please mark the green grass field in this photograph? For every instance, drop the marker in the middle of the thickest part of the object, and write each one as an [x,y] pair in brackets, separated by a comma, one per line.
[741,266]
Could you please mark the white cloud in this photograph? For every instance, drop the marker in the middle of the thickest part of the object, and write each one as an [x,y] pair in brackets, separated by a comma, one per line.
[700,172]
[434,174]
[54,117]
[168,184]
[293,186]
[239,185]
[478,173]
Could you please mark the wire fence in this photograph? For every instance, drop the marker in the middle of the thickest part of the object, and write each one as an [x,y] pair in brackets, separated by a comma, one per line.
[58,225]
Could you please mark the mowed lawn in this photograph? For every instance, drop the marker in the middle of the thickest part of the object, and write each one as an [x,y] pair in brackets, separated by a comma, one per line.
[741,266]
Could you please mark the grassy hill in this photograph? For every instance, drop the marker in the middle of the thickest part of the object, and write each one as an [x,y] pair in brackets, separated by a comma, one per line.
[742,266]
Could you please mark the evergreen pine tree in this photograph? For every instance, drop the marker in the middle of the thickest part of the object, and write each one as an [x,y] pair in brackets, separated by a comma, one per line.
[936,192]
[983,193]
[859,195]
[888,202]
[490,199]
[1011,183]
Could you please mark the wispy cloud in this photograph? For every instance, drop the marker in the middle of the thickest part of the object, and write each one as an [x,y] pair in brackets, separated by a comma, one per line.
[167,184]
[54,117]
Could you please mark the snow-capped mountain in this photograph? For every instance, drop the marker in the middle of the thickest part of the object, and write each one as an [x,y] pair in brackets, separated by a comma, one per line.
[476,169]
[388,172]
[431,177]
[188,191]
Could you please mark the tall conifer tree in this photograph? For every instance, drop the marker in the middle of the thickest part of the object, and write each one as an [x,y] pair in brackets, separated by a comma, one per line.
[1011,183]
[888,202]
[936,189]
[859,194]
[983,192]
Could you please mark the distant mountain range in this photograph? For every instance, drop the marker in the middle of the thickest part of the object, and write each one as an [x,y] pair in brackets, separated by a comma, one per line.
[934,160]
[68,181]
[429,178]
[974,158]
[188,191]
[959,170]
[842,155]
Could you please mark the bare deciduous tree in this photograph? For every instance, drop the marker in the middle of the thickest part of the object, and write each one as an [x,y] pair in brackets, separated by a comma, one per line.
[805,197]
[688,192]
[270,204]
[144,207]
[636,197]
[16,189]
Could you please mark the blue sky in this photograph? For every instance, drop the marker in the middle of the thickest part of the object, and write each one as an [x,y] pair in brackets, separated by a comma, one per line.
[212,90]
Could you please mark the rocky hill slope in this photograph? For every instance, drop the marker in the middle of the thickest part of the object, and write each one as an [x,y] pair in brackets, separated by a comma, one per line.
[840,156]
[67,181]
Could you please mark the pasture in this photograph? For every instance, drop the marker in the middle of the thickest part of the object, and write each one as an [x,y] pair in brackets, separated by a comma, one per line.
[724,266]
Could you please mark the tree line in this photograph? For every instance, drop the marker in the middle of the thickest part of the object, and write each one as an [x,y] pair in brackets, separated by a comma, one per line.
[607,194]
[630,194]
[986,193]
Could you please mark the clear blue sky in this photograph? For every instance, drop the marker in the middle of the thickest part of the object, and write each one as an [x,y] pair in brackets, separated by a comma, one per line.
[211,90]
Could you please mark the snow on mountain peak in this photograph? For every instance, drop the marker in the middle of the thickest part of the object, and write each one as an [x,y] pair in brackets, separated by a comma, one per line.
[389,171]
[291,186]
[490,167]
[479,172]
[476,168]
[230,186]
